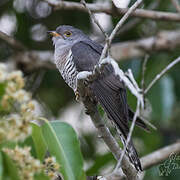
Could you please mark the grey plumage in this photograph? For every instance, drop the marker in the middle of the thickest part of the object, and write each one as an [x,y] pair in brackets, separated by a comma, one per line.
[76,52]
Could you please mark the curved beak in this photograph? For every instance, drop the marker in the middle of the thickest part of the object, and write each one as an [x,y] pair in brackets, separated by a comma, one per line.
[53,33]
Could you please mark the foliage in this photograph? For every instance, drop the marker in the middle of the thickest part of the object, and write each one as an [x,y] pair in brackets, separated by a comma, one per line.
[19,123]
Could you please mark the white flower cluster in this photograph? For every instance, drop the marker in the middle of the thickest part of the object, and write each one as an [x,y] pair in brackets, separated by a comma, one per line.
[16,106]
[16,111]
[27,165]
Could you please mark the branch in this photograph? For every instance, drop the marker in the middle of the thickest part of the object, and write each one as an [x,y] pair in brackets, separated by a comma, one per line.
[107,8]
[163,41]
[15,44]
[103,131]
[94,19]
[158,76]
[135,21]
[26,59]
[143,75]
[157,157]
[31,61]
[160,155]
[117,27]
[166,40]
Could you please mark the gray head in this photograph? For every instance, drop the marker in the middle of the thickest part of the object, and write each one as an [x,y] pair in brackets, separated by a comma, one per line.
[67,35]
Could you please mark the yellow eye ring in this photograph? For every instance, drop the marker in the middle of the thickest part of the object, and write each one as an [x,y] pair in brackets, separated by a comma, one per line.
[67,33]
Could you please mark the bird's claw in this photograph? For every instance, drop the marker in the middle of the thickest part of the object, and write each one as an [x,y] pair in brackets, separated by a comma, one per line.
[77,96]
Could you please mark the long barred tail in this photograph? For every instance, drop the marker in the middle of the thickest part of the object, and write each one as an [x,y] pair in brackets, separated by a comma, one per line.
[132,154]
[111,94]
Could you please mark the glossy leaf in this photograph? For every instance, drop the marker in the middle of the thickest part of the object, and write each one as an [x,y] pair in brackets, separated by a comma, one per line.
[40,145]
[62,142]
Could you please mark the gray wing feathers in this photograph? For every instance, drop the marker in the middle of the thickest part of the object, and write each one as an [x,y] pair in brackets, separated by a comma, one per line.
[113,103]
[85,55]
[108,90]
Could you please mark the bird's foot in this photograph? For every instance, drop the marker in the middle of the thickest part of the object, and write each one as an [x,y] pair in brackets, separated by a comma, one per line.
[77,95]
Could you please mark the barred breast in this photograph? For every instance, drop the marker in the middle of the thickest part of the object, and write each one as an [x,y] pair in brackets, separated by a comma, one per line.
[69,72]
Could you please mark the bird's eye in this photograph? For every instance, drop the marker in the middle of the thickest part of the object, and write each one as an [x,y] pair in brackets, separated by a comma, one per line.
[67,33]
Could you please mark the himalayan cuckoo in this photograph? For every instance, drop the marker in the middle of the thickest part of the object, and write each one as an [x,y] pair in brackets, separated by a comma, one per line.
[76,52]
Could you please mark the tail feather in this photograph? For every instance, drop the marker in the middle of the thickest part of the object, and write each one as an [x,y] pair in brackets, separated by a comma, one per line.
[111,94]
[132,153]
[133,156]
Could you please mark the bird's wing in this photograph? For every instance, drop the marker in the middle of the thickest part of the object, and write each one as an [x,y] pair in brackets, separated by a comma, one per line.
[109,91]
[86,55]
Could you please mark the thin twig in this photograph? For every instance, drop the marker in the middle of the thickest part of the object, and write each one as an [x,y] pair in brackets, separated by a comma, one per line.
[118,26]
[93,18]
[129,74]
[15,44]
[162,41]
[158,76]
[176,5]
[135,21]
[128,80]
[143,75]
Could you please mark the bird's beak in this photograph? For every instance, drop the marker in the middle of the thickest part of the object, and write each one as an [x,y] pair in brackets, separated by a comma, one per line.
[53,33]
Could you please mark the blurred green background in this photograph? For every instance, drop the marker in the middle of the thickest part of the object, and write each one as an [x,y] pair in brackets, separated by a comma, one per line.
[28,22]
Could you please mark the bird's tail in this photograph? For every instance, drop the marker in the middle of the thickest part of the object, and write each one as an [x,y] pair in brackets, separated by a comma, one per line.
[112,97]
[132,154]
[111,94]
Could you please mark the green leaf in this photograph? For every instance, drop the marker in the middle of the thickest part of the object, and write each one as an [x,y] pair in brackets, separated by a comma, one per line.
[63,143]
[10,167]
[40,145]
[1,166]
[2,89]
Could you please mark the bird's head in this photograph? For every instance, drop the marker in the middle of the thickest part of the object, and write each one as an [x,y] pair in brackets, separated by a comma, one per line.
[67,35]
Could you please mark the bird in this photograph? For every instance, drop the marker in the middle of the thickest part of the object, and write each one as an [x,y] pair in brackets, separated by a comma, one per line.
[75,52]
